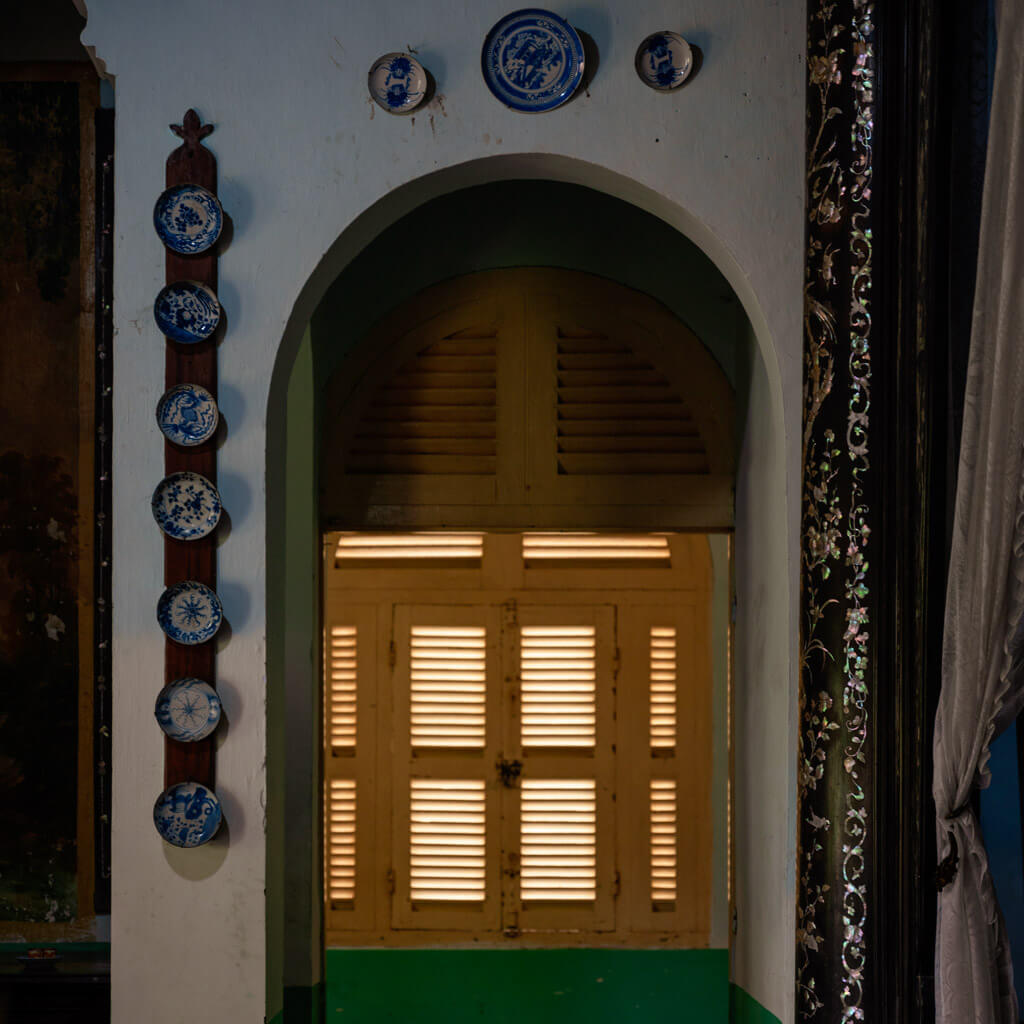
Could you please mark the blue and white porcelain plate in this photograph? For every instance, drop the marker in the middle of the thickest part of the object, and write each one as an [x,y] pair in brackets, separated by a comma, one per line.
[664,60]
[187,415]
[186,506]
[397,82]
[533,60]
[188,710]
[188,219]
[189,612]
[187,814]
[187,311]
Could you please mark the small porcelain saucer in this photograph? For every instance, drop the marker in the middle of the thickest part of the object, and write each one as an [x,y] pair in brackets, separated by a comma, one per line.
[189,612]
[187,415]
[187,311]
[188,219]
[664,60]
[188,710]
[186,506]
[397,82]
[187,814]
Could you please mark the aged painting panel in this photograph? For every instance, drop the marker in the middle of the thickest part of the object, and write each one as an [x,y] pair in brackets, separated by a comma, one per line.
[46,484]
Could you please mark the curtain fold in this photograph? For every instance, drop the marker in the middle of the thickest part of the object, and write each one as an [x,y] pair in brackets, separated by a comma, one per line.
[983,646]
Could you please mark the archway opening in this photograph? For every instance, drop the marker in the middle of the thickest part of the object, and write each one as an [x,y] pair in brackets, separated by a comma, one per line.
[506,224]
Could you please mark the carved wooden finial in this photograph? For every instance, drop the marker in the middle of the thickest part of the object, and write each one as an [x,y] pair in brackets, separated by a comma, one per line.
[191,129]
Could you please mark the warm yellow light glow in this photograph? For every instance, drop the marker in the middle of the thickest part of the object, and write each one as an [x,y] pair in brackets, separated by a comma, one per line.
[663,683]
[558,670]
[341,842]
[448,686]
[558,839]
[447,840]
[663,830]
[341,688]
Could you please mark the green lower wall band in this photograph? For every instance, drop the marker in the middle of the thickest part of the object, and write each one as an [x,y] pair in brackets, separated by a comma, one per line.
[744,1009]
[542,986]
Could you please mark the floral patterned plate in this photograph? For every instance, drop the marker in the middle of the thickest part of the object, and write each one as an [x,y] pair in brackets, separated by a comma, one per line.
[186,506]
[664,60]
[187,311]
[188,710]
[187,814]
[187,415]
[397,82]
[533,60]
[189,612]
[188,219]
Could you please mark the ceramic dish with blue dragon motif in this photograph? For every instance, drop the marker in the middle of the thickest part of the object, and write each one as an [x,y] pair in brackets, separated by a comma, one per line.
[188,219]
[187,311]
[397,82]
[188,710]
[533,60]
[187,415]
[664,60]
[189,613]
[187,814]
[186,506]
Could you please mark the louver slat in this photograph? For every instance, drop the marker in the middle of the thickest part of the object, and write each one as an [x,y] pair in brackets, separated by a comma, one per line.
[618,415]
[341,841]
[448,686]
[447,844]
[426,549]
[663,688]
[580,550]
[558,672]
[342,688]
[664,827]
[558,840]
[437,415]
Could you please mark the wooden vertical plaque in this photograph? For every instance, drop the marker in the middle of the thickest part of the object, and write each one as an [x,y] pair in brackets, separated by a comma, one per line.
[191,163]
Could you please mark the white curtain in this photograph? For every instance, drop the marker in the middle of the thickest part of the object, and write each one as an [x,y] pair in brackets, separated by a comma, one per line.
[982,685]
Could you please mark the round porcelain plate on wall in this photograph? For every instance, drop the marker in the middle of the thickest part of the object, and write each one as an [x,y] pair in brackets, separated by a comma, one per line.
[187,415]
[664,60]
[188,219]
[189,612]
[187,814]
[533,60]
[188,710]
[397,82]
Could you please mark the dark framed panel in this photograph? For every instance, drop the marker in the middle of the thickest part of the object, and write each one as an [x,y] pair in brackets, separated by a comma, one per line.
[47,491]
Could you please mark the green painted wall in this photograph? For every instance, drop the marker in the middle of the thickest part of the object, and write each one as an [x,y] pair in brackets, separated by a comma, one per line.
[538,986]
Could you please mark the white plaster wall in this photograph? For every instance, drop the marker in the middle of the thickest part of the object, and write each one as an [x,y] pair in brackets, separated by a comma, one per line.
[303,155]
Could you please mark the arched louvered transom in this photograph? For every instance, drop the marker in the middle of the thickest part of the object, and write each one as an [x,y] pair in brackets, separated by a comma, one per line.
[617,414]
[436,415]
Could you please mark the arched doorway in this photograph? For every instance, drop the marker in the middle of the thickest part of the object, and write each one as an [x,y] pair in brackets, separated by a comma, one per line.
[557,225]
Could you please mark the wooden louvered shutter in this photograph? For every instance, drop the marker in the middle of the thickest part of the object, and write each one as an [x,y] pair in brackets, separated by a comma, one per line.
[440,427]
[608,423]
[350,794]
[445,820]
[559,823]
[437,415]
[529,388]
[664,766]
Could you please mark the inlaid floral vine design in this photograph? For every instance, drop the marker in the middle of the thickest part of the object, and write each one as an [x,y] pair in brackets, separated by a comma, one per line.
[835,598]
